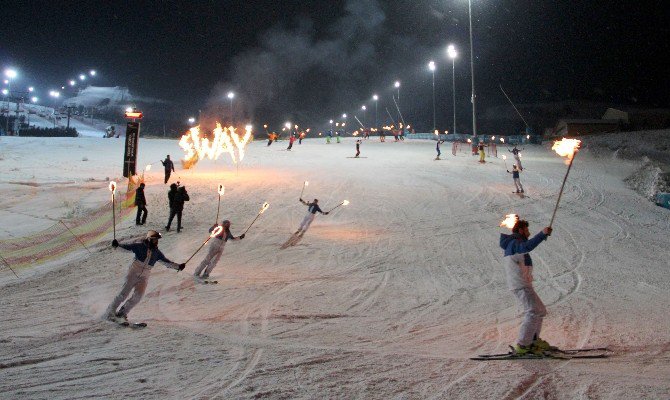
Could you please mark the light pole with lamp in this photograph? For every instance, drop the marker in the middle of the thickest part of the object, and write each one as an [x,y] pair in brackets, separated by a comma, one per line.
[472,74]
[375,98]
[397,86]
[451,52]
[231,96]
[344,129]
[431,67]
[10,73]
[365,114]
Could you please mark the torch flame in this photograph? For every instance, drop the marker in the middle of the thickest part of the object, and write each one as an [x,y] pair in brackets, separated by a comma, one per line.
[566,147]
[112,187]
[509,221]
[224,140]
[221,190]
[502,140]
[345,202]
[504,157]
[306,183]
[216,231]
[265,207]
[148,167]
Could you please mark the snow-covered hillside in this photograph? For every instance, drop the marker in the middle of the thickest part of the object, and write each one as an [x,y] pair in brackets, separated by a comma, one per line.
[385,298]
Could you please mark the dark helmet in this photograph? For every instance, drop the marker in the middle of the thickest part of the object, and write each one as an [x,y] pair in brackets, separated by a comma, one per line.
[520,224]
[154,235]
[226,224]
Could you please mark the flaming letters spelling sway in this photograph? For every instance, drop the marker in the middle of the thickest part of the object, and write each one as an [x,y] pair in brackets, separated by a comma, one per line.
[224,140]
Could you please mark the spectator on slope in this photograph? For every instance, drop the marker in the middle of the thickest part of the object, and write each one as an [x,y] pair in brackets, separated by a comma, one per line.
[519,271]
[291,139]
[515,176]
[215,250]
[180,196]
[437,148]
[141,203]
[312,209]
[146,255]
[358,147]
[169,167]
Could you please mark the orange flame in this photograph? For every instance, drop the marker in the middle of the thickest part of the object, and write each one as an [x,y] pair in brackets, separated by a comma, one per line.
[112,187]
[265,207]
[224,140]
[345,203]
[509,221]
[221,190]
[566,147]
[216,231]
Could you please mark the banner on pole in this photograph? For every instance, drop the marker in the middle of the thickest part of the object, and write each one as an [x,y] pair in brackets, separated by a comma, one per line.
[130,156]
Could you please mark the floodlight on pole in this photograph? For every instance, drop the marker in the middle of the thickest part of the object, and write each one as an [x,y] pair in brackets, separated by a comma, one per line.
[472,73]
[452,53]
[375,98]
[92,72]
[397,86]
[73,82]
[34,99]
[191,120]
[11,73]
[5,92]
[431,67]
[31,89]
[231,96]
[82,77]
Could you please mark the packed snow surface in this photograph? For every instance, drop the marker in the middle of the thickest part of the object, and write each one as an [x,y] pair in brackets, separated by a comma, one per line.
[385,298]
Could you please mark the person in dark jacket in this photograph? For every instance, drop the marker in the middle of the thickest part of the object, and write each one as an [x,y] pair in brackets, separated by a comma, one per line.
[146,255]
[519,271]
[141,203]
[216,246]
[169,167]
[312,209]
[180,197]
[358,148]
[172,193]
[515,176]
[437,148]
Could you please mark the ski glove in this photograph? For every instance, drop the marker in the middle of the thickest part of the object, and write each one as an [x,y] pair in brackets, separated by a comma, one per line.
[326,213]
[181,267]
[115,243]
[242,235]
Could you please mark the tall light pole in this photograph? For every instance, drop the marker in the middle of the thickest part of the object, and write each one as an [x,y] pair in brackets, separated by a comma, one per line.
[431,67]
[344,129]
[472,73]
[375,98]
[231,96]
[397,86]
[451,52]
[365,114]
[10,73]
[331,127]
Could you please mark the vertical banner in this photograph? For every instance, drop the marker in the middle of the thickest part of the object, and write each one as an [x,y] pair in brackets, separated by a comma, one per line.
[130,156]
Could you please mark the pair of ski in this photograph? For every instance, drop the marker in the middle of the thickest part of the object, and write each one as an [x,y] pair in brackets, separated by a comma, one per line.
[134,325]
[560,354]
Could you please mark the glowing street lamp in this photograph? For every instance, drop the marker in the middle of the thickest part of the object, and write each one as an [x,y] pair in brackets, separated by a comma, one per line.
[5,92]
[231,96]
[92,72]
[31,89]
[82,77]
[375,98]
[72,82]
[397,86]
[34,99]
[431,67]
[191,120]
[472,73]
[11,73]
[365,114]
[451,52]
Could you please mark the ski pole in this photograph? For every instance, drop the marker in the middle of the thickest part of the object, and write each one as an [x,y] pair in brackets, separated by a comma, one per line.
[344,203]
[9,266]
[112,188]
[265,207]
[215,232]
[221,191]
[75,236]
[303,188]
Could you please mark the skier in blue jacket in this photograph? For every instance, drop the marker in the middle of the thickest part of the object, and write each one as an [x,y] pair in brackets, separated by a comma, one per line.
[146,255]
[519,271]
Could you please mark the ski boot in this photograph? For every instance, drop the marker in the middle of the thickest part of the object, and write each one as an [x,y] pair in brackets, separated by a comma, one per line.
[543,345]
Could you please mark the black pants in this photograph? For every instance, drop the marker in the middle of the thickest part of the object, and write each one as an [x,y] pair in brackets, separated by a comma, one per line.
[167,175]
[358,152]
[300,141]
[141,209]
[174,212]
[269,142]
[289,146]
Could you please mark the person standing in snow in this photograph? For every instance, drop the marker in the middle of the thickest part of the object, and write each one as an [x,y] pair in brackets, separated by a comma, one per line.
[358,147]
[437,148]
[519,271]
[179,197]
[482,153]
[312,209]
[146,255]
[291,139]
[169,167]
[515,152]
[515,176]
[141,203]
[215,251]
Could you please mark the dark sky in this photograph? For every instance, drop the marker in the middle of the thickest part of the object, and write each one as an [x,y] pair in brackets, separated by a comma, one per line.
[312,60]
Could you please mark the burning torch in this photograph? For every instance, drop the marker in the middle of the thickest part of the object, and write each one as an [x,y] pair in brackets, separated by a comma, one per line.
[344,203]
[564,148]
[112,188]
[505,160]
[303,188]
[509,221]
[214,233]
[265,207]
[220,190]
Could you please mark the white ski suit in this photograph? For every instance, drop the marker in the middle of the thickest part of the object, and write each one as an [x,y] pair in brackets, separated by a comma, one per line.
[519,271]
[214,252]
[137,277]
[312,209]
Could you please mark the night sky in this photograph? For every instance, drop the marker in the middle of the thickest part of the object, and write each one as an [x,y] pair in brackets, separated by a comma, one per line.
[310,61]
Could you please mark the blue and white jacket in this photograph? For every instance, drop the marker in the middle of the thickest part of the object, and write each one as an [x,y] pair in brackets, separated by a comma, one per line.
[141,251]
[517,261]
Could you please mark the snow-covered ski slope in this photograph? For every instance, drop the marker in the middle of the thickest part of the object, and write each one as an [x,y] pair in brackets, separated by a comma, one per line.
[385,298]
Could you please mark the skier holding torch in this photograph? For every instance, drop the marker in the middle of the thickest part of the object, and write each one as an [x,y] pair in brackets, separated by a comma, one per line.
[146,255]
[216,246]
[312,209]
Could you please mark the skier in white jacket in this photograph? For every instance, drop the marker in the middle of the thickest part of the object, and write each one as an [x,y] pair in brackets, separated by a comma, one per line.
[519,271]
[312,209]
[146,255]
[216,246]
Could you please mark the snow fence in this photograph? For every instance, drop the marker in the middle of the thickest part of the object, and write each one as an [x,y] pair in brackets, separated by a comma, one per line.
[66,236]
